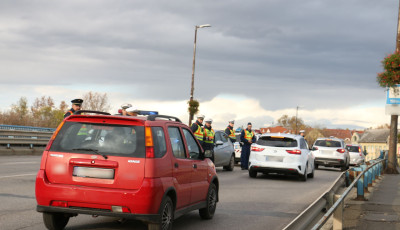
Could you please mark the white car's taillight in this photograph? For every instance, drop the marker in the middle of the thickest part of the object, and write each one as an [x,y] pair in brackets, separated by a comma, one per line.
[256,149]
[340,150]
[295,151]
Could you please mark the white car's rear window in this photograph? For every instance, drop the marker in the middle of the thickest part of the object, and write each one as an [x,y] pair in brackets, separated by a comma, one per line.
[277,141]
[328,143]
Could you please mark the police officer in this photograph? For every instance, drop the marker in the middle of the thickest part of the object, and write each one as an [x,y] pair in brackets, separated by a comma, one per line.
[209,137]
[302,133]
[76,105]
[124,107]
[131,111]
[247,137]
[197,128]
[230,132]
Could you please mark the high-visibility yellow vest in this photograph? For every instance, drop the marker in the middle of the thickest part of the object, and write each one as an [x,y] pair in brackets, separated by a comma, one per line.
[199,133]
[232,134]
[248,135]
[209,135]
[83,131]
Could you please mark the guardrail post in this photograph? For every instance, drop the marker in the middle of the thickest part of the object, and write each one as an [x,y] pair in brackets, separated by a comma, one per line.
[370,175]
[338,215]
[360,189]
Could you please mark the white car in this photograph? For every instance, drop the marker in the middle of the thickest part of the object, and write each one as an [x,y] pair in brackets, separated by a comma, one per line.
[281,153]
[357,157]
[331,152]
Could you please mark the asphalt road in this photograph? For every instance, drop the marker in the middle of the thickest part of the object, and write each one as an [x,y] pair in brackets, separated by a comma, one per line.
[266,202]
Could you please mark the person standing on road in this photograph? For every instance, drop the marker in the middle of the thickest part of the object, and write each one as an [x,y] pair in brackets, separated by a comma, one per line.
[247,137]
[302,133]
[209,138]
[76,105]
[197,129]
[124,107]
[230,132]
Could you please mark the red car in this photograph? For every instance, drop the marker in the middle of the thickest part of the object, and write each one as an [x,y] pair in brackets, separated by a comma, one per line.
[147,168]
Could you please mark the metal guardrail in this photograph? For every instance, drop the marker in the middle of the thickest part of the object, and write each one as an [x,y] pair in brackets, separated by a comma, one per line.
[12,135]
[316,215]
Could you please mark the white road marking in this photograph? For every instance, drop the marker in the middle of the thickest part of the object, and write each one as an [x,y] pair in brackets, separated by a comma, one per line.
[21,163]
[33,174]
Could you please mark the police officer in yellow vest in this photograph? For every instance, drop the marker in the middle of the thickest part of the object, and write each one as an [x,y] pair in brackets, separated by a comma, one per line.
[209,137]
[230,132]
[247,137]
[76,105]
[197,128]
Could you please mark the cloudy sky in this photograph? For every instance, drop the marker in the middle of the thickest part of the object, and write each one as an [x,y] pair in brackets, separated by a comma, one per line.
[259,60]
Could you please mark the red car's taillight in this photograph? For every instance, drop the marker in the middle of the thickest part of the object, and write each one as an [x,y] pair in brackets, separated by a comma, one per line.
[256,149]
[149,143]
[57,203]
[340,150]
[295,151]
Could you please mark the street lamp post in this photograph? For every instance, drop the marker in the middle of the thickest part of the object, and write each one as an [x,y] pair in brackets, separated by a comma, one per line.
[297,109]
[194,62]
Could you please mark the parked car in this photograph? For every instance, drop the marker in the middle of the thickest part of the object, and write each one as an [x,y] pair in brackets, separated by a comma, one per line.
[224,153]
[331,152]
[238,149]
[145,168]
[281,153]
[357,157]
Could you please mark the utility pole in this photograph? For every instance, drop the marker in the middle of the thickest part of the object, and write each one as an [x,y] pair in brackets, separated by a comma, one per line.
[297,109]
[193,67]
[392,162]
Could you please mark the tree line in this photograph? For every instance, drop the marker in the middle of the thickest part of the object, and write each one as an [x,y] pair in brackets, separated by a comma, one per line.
[44,112]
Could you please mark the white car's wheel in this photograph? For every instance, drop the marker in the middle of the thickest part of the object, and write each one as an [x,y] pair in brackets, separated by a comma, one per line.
[304,176]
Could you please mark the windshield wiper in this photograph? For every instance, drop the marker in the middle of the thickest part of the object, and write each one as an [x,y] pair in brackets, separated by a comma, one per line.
[93,150]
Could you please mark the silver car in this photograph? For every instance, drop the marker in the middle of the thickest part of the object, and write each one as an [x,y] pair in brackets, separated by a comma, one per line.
[224,153]
[357,157]
[331,152]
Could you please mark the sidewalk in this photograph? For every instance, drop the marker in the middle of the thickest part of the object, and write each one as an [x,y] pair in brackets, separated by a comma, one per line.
[381,211]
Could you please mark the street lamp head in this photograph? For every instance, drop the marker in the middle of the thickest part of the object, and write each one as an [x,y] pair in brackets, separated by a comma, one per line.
[205,25]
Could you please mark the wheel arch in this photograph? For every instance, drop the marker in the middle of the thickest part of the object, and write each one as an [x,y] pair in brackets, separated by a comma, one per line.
[171,193]
[215,181]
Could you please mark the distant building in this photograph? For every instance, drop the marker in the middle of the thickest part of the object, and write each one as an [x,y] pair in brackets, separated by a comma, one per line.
[344,134]
[276,129]
[373,141]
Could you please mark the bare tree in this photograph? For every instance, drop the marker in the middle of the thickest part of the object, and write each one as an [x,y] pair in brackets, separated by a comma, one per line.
[96,101]
[290,122]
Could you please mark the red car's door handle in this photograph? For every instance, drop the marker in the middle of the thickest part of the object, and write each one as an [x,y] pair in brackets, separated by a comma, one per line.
[195,166]
[176,165]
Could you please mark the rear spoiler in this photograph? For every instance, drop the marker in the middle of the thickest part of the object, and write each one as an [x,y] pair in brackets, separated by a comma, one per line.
[90,111]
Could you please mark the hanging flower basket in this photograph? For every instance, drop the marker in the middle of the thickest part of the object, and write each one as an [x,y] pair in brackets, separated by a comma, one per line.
[391,76]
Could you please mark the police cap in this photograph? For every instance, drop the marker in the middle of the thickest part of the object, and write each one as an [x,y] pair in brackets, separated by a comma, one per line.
[77,101]
[232,121]
[200,116]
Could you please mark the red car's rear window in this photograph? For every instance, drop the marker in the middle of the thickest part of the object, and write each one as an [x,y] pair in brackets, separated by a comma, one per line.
[108,139]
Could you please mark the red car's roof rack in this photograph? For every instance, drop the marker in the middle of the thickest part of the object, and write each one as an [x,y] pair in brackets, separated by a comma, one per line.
[153,117]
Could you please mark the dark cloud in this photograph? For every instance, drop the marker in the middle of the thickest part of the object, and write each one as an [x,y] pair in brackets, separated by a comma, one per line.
[285,53]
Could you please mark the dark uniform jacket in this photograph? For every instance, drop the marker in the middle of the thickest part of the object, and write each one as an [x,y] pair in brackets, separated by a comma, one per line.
[69,113]
[195,126]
